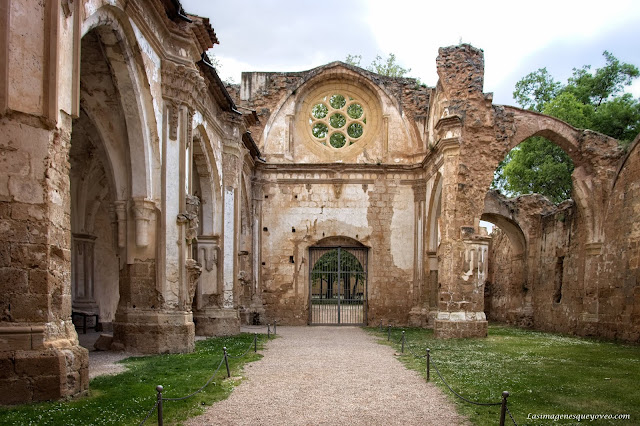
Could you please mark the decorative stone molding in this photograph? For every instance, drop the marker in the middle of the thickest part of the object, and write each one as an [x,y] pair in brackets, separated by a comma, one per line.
[474,261]
[143,212]
[449,126]
[461,316]
[593,248]
[420,192]
[208,250]
[173,121]
[184,85]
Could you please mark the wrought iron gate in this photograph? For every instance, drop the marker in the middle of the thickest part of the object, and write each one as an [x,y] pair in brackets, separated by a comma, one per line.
[338,285]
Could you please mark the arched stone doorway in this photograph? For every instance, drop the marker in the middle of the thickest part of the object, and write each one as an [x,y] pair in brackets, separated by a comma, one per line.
[338,283]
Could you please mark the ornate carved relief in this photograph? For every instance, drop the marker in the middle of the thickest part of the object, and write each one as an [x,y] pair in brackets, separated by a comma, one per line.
[184,85]
[475,262]
[194,269]
[173,121]
[190,218]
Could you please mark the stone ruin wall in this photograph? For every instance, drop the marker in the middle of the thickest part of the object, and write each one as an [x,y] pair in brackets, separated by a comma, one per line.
[378,214]
[552,289]
[307,195]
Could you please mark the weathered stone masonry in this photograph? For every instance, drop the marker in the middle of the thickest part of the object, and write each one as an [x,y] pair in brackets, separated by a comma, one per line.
[134,185]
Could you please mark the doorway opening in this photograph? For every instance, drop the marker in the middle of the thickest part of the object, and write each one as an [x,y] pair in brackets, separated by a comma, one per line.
[338,285]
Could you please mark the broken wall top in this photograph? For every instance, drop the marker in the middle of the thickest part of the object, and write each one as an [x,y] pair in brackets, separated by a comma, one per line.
[337,113]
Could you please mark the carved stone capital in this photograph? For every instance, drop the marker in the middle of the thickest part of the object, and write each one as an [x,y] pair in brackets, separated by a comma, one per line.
[208,251]
[182,84]
[143,211]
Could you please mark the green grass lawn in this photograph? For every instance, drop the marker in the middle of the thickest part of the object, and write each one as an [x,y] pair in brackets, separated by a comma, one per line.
[544,373]
[126,398]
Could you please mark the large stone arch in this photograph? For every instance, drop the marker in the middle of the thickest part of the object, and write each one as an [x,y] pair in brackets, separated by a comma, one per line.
[116,94]
[527,124]
[595,157]
[122,52]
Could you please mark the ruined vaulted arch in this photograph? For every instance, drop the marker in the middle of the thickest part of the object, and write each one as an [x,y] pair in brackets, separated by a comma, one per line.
[122,53]
[527,124]
[497,211]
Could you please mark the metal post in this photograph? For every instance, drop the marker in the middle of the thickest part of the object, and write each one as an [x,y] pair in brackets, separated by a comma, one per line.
[503,410]
[388,333]
[428,363]
[255,342]
[159,389]
[226,362]
[268,331]
[380,325]
[402,341]
[275,323]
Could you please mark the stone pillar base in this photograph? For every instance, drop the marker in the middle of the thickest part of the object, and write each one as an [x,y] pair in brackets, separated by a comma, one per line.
[153,332]
[217,322]
[32,371]
[450,325]
[419,317]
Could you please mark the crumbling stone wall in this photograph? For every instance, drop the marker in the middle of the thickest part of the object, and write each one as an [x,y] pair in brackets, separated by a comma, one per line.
[573,286]
[298,215]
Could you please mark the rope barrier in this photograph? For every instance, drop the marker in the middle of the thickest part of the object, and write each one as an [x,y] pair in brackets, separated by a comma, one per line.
[488,404]
[149,414]
[429,361]
[414,354]
[510,415]
[224,360]
[199,390]
[245,352]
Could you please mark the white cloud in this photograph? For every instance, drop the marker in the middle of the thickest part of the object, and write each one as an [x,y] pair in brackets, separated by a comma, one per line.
[517,37]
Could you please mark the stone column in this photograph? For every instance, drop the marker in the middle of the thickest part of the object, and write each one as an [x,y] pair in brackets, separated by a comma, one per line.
[208,300]
[143,212]
[154,311]
[82,272]
[462,263]
[40,358]
[419,314]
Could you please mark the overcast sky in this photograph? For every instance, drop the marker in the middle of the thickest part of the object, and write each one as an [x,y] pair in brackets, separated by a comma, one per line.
[517,37]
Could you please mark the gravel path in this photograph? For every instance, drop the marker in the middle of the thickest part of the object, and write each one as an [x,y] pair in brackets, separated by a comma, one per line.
[103,363]
[330,376]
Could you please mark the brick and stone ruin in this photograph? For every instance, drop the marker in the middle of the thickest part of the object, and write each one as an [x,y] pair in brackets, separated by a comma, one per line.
[137,187]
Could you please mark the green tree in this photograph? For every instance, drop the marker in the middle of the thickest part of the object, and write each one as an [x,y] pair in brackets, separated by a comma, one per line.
[589,100]
[387,67]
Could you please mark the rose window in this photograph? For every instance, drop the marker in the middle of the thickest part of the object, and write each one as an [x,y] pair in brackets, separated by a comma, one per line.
[337,121]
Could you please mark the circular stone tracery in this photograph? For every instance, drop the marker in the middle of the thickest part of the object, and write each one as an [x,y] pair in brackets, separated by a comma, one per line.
[337,121]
